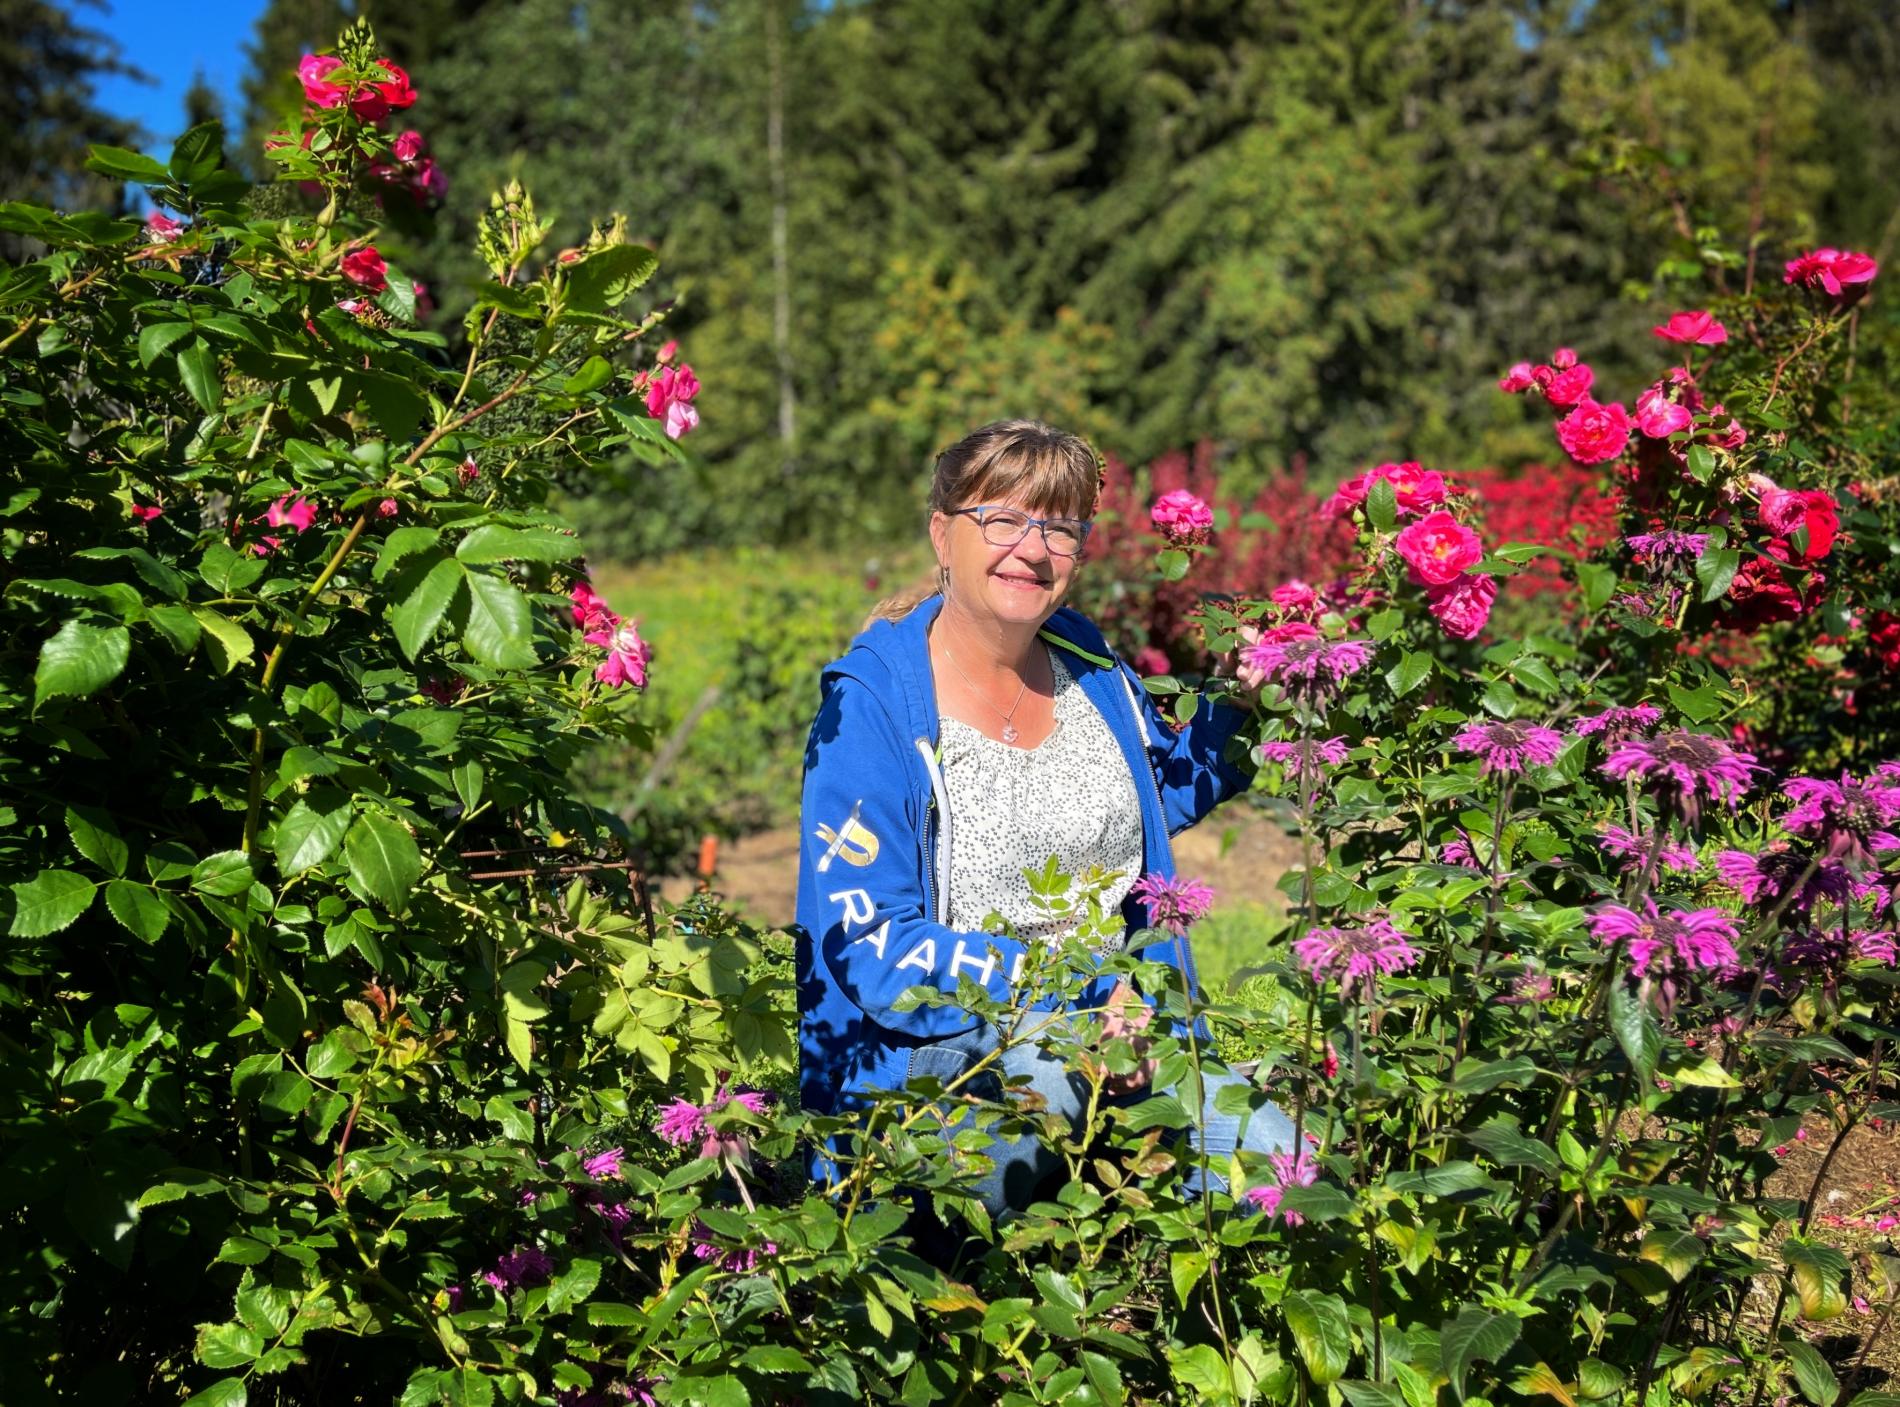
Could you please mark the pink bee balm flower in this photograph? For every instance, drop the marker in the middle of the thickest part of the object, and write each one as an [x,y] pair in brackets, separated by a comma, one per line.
[1617,724]
[1849,819]
[523,1267]
[591,610]
[742,1261]
[1833,271]
[1174,904]
[1463,608]
[1699,328]
[1308,667]
[1354,956]
[1183,519]
[1762,879]
[1683,768]
[1683,940]
[365,267]
[1438,548]
[604,1165]
[1593,433]
[669,398]
[681,1123]
[160,228]
[1569,388]
[1633,848]
[1299,757]
[627,655]
[1511,745]
[291,511]
[313,71]
[147,512]
[1289,1170]
[1457,851]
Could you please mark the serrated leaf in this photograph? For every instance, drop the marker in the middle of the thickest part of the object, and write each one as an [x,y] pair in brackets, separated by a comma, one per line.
[1701,462]
[403,542]
[500,630]
[226,1392]
[309,834]
[80,660]
[227,643]
[604,279]
[383,858]
[95,837]
[520,984]
[139,911]
[1185,1268]
[1382,506]
[157,339]
[1597,583]
[122,165]
[48,902]
[416,616]
[494,543]
[225,874]
[228,1345]
[228,571]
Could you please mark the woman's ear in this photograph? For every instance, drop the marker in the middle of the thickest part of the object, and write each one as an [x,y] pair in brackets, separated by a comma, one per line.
[940,537]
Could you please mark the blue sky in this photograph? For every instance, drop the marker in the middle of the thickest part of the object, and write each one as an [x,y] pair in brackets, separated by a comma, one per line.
[172,42]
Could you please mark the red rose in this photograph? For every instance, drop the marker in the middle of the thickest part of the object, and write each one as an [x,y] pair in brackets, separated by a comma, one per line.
[1785,510]
[366,267]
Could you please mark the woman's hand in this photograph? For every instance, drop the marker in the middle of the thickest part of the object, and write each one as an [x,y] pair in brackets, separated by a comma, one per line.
[1126,1015]
[1250,677]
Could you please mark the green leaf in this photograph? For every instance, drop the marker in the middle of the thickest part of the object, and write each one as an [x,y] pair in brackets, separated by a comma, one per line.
[1819,1274]
[383,858]
[595,372]
[198,370]
[1636,1030]
[605,279]
[80,660]
[403,542]
[416,617]
[95,837]
[228,1345]
[226,642]
[1185,1268]
[1596,1379]
[123,165]
[226,1392]
[156,339]
[309,834]
[49,902]
[493,543]
[1382,506]
[140,911]
[573,1286]
[198,153]
[228,571]
[1675,1251]
[1533,671]
[1715,569]
[1509,1147]
[396,405]
[1812,1374]
[1476,1333]
[225,874]
[1172,563]
[468,784]
[1701,463]
[1598,584]
[1319,1325]
[1361,1393]
[520,984]
[499,631]
[1411,671]
[1499,698]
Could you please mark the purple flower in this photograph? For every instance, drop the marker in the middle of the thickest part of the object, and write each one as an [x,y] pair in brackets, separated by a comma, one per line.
[604,1166]
[1310,668]
[1458,851]
[1531,989]
[681,1123]
[758,1101]
[1815,947]
[1762,879]
[1619,724]
[1634,847]
[1662,944]
[742,1260]
[1289,1170]
[1848,818]
[524,1266]
[1682,769]
[1298,756]
[1659,547]
[1510,746]
[1354,955]
[1174,904]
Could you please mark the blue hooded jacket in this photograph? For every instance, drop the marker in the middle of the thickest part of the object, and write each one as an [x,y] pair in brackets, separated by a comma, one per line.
[875,848]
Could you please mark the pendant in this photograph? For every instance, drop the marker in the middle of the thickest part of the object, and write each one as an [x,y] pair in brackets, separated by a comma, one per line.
[1009,733]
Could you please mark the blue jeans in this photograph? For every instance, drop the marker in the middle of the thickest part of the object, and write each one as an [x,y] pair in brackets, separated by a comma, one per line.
[1022,1164]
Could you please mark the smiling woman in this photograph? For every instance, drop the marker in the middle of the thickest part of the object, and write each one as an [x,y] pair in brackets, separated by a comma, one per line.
[991,716]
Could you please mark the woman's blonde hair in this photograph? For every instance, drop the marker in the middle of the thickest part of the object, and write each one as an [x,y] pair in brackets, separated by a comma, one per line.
[1051,470]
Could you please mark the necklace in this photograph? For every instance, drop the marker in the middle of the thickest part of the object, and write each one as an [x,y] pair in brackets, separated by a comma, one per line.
[1009,728]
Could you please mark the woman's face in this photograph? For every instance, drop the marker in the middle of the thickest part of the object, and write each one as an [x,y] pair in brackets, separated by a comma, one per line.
[1012,585]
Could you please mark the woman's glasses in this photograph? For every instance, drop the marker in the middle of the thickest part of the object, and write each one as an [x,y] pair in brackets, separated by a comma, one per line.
[1005,527]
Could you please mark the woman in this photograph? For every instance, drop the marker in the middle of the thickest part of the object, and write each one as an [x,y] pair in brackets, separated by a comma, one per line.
[986,730]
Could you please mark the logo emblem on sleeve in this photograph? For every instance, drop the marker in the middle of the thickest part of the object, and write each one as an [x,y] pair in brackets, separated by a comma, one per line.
[851,842]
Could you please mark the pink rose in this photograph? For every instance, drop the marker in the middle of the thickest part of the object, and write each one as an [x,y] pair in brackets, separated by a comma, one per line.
[468,471]
[669,398]
[1463,607]
[1415,488]
[374,101]
[668,349]
[1659,417]
[1181,518]
[424,303]
[1564,358]
[1699,328]
[409,146]
[1593,433]
[291,511]
[1732,436]
[147,512]
[1149,662]
[1785,510]
[627,655]
[1568,387]
[1296,595]
[1438,548]
[388,508]
[365,267]
[160,228]
[312,71]
[1831,270]
[1518,378]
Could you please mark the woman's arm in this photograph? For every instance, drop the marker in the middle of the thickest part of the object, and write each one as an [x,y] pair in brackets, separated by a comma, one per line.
[861,895]
[1192,765]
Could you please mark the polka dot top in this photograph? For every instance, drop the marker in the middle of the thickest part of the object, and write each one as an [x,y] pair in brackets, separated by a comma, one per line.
[1011,808]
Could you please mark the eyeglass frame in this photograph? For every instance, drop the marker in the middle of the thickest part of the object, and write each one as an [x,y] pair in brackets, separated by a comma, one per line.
[1030,521]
